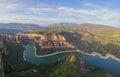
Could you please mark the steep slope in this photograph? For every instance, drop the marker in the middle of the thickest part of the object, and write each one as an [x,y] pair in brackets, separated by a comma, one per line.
[73,66]
[48,43]
[76,67]
[13,59]
[90,37]
[94,38]
[1,65]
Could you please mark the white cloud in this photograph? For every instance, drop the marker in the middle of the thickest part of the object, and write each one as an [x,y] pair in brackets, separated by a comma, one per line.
[47,15]
[6,7]
[98,16]
[38,10]
[27,19]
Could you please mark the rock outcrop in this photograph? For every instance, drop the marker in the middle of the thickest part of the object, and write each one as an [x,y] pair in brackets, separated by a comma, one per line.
[1,63]
[48,41]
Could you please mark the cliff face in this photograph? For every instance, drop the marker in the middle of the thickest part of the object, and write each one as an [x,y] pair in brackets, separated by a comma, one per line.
[44,41]
[56,41]
[1,63]
[48,41]
[1,66]
[9,38]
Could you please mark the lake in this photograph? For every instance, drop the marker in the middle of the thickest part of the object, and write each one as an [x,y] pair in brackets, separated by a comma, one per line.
[109,64]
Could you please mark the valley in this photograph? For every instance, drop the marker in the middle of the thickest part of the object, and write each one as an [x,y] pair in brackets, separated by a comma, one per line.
[59,38]
[86,38]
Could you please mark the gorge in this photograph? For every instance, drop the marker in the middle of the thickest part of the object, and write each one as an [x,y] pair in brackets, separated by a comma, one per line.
[46,46]
[109,64]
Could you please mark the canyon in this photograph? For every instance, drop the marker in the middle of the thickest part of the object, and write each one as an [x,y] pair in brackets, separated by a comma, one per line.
[56,42]
[48,41]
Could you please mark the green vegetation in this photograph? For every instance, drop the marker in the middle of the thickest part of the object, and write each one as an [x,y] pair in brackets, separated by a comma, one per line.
[89,39]
[13,59]
[71,67]
[41,70]
[77,68]
[91,45]
[14,50]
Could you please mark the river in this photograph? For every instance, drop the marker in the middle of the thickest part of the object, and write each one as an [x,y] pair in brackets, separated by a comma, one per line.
[108,64]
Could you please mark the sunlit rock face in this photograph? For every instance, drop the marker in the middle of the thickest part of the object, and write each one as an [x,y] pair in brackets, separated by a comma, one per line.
[48,40]
[1,44]
[45,41]
[57,41]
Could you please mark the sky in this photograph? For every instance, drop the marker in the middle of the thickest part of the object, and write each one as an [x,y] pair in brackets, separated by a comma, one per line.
[44,12]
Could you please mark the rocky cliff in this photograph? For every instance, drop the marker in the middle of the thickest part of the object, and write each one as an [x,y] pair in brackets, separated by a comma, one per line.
[48,41]
[1,66]
[45,43]
[1,62]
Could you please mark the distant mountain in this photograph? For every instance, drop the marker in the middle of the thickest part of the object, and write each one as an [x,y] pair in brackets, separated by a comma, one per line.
[18,26]
[62,25]
[9,31]
[95,25]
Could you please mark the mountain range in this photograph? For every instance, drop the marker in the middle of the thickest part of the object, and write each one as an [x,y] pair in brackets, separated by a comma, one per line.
[62,24]
[18,26]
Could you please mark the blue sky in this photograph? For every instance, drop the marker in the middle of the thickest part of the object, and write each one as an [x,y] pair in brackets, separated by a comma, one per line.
[43,12]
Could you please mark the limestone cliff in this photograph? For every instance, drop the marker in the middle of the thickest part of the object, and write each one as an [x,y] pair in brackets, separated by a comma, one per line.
[48,40]
[47,43]
[1,63]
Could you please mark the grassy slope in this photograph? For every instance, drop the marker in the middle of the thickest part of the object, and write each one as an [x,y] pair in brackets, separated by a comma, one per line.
[92,38]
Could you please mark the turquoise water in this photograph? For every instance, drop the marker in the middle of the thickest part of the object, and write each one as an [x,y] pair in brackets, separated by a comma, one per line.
[30,56]
[107,64]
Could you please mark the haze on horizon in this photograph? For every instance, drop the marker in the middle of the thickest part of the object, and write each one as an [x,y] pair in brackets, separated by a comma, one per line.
[43,12]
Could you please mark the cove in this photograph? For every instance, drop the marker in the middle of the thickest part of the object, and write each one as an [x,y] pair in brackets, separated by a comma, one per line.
[108,64]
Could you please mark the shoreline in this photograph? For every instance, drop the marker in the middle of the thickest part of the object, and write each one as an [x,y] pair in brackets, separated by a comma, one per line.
[108,55]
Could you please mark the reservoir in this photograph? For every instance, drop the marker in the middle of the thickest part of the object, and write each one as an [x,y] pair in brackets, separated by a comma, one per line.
[108,64]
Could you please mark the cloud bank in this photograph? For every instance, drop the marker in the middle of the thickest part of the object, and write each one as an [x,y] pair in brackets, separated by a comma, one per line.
[45,14]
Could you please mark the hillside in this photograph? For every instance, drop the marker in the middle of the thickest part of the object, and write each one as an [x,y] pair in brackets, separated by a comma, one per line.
[76,67]
[72,66]
[47,43]
[89,37]
[95,38]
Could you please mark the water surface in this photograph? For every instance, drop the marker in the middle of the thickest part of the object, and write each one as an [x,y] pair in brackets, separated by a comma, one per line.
[108,64]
